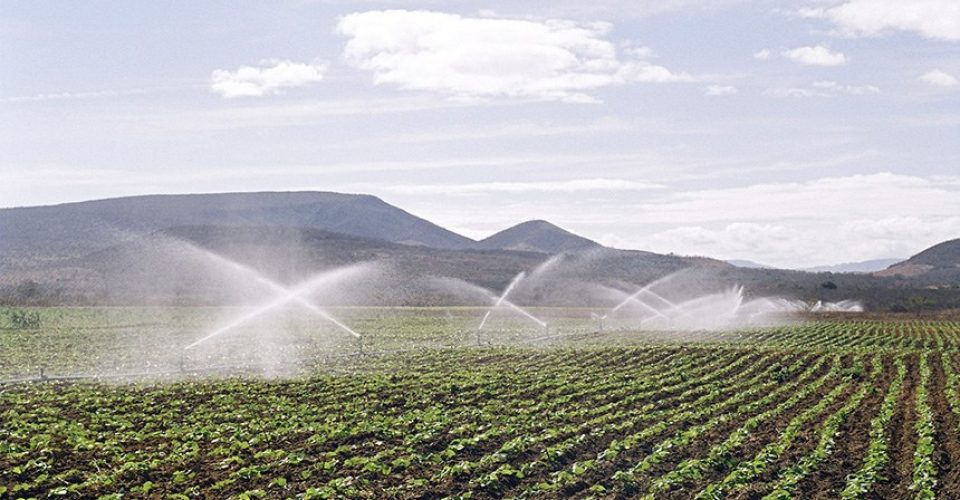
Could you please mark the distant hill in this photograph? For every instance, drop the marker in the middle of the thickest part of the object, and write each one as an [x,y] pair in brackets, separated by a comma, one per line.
[536,236]
[71,229]
[179,265]
[867,266]
[936,265]
[946,254]
[748,264]
[136,250]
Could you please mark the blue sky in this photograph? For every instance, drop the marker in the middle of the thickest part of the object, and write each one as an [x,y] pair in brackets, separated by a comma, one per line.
[791,133]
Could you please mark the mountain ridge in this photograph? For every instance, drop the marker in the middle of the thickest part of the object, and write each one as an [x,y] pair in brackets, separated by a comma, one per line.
[937,263]
[864,266]
[69,229]
[536,235]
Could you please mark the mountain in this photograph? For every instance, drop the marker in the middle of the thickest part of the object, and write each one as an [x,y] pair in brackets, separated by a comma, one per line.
[163,249]
[185,265]
[939,263]
[748,264]
[946,254]
[72,229]
[867,266]
[536,236]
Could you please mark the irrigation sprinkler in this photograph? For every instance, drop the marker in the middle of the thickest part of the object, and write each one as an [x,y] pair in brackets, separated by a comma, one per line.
[286,295]
[599,319]
[648,289]
[502,301]
[295,295]
[503,296]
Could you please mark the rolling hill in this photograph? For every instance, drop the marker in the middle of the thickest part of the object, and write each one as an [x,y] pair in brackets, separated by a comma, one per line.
[183,264]
[536,236]
[866,266]
[938,265]
[72,229]
[149,249]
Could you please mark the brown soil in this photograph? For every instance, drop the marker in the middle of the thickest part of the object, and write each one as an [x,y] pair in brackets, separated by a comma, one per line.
[589,448]
[801,446]
[757,439]
[947,454]
[903,440]
[851,444]
[631,457]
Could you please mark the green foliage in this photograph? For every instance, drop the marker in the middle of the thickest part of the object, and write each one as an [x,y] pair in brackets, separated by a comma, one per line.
[737,414]
[24,320]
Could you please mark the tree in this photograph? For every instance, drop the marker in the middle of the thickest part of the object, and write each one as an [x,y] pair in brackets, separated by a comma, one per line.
[919,302]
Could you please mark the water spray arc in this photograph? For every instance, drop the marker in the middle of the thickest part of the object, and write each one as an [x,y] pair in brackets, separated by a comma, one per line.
[279,289]
[648,290]
[502,301]
[285,296]
[599,319]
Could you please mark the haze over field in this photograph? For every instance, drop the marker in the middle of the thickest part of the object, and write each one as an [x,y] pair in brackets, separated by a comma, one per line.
[427,249]
[796,134]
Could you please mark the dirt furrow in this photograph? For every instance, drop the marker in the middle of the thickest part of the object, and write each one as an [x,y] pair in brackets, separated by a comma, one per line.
[947,454]
[831,476]
[903,439]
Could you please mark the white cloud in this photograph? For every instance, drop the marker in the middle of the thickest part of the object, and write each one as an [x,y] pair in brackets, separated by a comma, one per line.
[815,56]
[800,244]
[568,186]
[719,90]
[288,114]
[269,77]
[480,58]
[639,52]
[762,55]
[824,88]
[938,19]
[940,78]
[827,220]
[606,126]
[863,196]
[58,96]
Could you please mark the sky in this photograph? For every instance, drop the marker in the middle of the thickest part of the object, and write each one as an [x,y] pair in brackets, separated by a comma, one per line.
[791,133]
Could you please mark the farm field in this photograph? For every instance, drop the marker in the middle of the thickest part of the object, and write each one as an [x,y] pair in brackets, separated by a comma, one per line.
[849,408]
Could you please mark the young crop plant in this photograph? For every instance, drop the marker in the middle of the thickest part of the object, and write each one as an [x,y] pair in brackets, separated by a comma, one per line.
[717,459]
[715,414]
[924,466]
[952,383]
[749,470]
[599,419]
[877,456]
[785,487]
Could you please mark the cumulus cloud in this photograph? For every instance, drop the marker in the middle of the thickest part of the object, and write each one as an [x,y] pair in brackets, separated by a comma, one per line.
[268,77]
[862,196]
[937,19]
[719,90]
[567,186]
[58,96]
[939,78]
[480,58]
[824,88]
[832,219]
[803,244]
[815,56]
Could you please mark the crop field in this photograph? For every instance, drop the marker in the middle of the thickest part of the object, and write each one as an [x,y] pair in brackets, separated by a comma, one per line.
[848,408]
